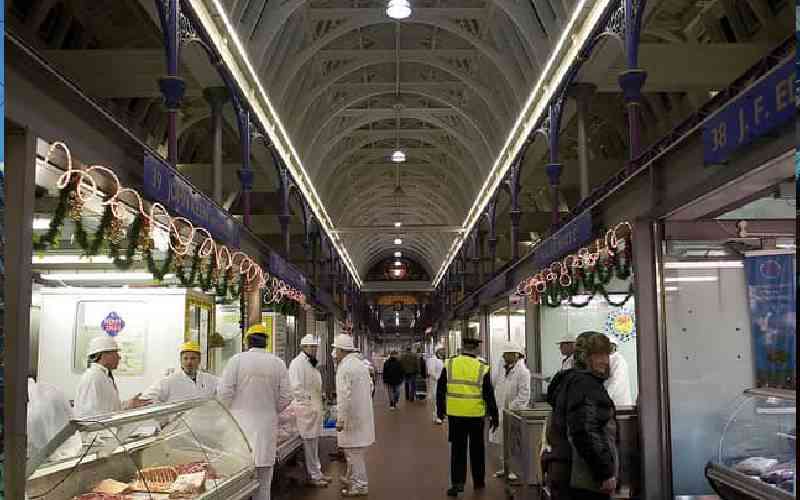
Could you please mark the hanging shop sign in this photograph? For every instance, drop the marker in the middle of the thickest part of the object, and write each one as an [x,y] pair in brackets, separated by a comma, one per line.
[772,292]
[752,114]
[112,324]
[567,239]
[163,184]
[586,273]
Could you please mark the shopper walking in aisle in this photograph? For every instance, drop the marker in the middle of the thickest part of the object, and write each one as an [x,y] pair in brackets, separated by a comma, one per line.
[355,422]
[306,382]
[255,387]
[410,362]
[618,384]
[434,368]
[512,389]
[187,383]
[97,390]
[581,461]
[393,378]
[465,394]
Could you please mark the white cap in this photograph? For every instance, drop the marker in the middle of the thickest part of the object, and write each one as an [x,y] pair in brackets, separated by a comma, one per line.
[103,343]
[512,347]
[613,339]
[344,342]
[309,340]
[439,347]
[567,338]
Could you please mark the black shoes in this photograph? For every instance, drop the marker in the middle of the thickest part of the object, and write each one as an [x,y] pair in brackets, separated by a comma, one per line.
[454,491]
[479,486]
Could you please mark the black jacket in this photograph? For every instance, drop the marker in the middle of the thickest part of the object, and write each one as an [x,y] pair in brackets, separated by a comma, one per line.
[582,411]
[487,391]
[392,372]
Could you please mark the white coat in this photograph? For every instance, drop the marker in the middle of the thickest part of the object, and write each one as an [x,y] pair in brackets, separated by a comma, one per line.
[97,393]
[255,387]
[48,413]
[512,391]
[434,368]
[306,383]
[354,403]
[618,385]
[178,386]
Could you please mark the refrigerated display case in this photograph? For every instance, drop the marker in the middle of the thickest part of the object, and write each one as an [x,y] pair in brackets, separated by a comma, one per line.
[187,449]
[757,457]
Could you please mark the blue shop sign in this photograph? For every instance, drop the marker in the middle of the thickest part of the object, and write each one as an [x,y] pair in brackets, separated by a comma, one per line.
[755,112]
[567,239]
[164,185]
[285,271]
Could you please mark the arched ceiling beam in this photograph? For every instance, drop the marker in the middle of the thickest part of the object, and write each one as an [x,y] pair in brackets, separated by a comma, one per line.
[321,175]
[372,17]
[369,194]
[409,254]
[501,110]
[312,133]
[437,172]
[470,142]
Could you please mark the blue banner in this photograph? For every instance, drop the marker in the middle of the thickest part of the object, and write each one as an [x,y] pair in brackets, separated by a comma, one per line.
[567,239]
[755,112]
[163,184]
[287,272]
[772,295]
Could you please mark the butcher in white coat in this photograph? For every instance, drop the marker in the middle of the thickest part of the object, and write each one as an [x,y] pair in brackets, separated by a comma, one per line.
[434,367]
[512,391]
[255,387]
[188,382]
[355,422]
[618,384]
[306,384]
[97,390]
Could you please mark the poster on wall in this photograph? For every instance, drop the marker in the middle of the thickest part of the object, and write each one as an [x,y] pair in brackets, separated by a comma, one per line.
[123,321]
[772,292]
[621,323]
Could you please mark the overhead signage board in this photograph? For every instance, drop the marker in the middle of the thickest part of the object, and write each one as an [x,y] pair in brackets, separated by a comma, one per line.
[767,105]
[285,271]
[567,239]
[164,185]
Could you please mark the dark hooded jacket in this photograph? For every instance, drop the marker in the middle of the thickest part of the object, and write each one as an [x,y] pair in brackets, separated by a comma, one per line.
[583,412]
[392,371]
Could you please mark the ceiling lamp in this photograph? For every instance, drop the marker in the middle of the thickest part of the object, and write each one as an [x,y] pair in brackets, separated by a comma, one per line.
[398,156]
[398,224]
[398,263]
[398,241]
[398,9]
[398,254]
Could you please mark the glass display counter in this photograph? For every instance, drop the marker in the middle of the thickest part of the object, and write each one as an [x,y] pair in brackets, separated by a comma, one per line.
[757,456]
[188,449]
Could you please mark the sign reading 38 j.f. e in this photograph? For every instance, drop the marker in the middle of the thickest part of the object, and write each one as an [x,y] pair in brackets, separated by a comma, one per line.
[164,185]
[757,111]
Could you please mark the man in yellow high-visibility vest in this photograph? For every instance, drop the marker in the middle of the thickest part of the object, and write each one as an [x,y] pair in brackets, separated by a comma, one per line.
[465,394]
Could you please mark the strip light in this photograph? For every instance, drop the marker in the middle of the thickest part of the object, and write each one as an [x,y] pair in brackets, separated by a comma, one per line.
[691,279]
[567,50]
[101,276]
[711,264]
[238,63]
[71,259]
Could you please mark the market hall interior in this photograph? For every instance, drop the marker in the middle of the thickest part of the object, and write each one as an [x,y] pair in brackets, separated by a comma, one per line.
[187,180]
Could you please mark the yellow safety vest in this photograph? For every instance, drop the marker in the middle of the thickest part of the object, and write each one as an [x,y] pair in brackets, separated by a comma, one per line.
[464,387]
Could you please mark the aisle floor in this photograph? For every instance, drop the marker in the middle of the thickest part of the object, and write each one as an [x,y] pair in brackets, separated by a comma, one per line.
[409,460]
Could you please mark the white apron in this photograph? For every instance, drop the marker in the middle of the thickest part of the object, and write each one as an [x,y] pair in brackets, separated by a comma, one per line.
[306,384]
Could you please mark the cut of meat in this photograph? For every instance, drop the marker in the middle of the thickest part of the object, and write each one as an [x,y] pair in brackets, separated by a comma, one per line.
[98,496]
[197,467]
[110,487]
[151,486]
[158,474]
[188,485]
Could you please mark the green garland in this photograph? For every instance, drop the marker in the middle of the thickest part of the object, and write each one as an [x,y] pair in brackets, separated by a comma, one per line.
[158,271]
[49,238]
[592,281]
[125,262]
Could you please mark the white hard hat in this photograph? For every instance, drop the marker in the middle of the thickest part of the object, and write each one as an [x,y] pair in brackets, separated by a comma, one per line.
[612,339]
[309,340]
[103,343]
[344,342]
[512,347]
[569,337]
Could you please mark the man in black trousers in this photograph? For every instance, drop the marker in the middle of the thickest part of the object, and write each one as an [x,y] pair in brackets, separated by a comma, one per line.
[465,394]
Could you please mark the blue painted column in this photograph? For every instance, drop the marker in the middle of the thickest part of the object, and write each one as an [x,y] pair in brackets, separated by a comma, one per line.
[554,168]
[245,173]
[172,86]
[632,80]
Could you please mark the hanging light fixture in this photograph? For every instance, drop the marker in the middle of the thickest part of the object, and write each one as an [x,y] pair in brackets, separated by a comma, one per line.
[398,9]
[398,241]
[398,156]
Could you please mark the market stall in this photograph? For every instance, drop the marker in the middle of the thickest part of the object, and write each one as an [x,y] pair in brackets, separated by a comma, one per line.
[190,449]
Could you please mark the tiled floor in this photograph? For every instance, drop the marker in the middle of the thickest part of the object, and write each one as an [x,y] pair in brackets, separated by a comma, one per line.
[409,460]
